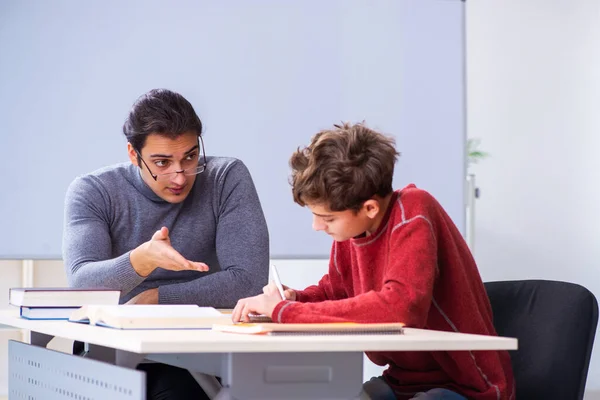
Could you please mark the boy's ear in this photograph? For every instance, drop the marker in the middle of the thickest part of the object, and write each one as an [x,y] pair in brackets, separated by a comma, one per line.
[371,208]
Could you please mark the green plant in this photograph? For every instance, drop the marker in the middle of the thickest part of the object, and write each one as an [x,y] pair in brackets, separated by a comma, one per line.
[474,155]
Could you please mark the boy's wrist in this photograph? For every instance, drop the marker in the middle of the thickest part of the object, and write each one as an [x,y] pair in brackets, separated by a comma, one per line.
[276,312]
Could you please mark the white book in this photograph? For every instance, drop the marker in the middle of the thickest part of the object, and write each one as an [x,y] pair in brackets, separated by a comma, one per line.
[62,297]
[150,316]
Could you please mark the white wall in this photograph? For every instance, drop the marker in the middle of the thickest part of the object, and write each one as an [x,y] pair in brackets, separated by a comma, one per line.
[534,100]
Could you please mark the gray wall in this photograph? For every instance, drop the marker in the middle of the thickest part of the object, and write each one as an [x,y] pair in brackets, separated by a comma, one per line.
[263,75]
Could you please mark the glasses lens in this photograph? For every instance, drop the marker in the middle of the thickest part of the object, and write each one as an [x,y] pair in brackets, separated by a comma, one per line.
[194,171]
[166,177]
[188,172]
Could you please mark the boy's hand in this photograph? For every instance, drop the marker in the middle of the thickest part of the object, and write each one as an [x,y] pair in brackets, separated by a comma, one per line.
[271,289]
[158,252]
[261,304]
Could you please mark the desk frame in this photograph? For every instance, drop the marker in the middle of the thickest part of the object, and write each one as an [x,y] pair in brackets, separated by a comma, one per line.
[256,367]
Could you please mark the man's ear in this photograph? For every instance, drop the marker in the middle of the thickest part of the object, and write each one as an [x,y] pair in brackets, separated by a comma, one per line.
[371,208]
[133,155]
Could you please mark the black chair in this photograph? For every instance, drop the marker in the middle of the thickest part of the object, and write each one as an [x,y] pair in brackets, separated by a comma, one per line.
[555,323]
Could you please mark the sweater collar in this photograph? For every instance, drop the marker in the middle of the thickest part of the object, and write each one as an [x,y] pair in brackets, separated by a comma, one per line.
[141,186]
[362,240]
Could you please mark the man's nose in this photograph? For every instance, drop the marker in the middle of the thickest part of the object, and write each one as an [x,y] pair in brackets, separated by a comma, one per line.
[178,178]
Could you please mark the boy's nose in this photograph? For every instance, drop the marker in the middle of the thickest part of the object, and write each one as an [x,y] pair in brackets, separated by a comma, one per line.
[317,225]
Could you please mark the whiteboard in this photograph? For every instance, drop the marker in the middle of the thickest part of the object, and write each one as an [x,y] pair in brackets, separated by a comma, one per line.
[264,76]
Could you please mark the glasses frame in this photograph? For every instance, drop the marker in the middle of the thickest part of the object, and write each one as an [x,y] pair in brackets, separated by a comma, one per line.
[181,171]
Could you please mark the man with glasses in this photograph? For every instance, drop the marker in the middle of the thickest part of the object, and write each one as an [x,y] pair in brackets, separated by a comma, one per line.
[172,227]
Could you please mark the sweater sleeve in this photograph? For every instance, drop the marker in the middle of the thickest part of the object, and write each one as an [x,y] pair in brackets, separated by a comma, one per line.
[242,243]
[324,290]
[404,297]
[87,248]
[316,293]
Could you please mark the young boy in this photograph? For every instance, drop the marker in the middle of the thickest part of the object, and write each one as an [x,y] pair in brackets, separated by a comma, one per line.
[396,257]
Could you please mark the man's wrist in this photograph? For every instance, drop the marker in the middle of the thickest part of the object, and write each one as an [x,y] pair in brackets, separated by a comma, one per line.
[137,259]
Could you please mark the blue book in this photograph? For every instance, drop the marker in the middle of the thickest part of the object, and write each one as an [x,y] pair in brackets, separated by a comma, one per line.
[50,313]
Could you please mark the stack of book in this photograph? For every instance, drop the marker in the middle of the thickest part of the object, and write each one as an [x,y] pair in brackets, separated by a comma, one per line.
[58,303]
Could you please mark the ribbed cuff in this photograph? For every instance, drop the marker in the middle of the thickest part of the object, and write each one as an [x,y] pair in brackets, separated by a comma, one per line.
[126,275]
[169,294]
[279,310]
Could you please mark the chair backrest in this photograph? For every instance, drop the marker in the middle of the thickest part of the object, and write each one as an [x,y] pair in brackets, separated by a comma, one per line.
[555,323]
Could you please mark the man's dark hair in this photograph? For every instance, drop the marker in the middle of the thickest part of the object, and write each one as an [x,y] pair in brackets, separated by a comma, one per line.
[163,112]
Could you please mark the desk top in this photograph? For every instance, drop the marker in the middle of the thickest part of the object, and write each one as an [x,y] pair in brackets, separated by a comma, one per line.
[207,341]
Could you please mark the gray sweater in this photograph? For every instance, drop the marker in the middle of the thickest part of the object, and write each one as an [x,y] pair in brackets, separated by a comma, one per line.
[111,211]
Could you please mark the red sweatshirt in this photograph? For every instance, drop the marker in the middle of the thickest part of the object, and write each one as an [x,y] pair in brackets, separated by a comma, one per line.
[417,269]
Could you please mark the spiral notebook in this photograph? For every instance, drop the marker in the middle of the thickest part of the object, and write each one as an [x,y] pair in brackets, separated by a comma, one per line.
[336,328]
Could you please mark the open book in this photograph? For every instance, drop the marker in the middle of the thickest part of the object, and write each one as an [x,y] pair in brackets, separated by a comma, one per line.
[150,316]
[337,328]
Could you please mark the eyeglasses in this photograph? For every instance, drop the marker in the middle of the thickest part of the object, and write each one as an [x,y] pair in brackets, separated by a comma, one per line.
[198,169]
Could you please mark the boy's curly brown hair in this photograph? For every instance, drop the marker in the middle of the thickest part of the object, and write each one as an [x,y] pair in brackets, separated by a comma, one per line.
[343,167]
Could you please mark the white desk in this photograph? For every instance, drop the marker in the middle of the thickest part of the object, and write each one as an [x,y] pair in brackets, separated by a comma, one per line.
[251,366]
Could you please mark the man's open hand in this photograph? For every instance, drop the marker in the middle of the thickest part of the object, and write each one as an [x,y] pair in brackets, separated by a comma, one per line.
[158,252]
